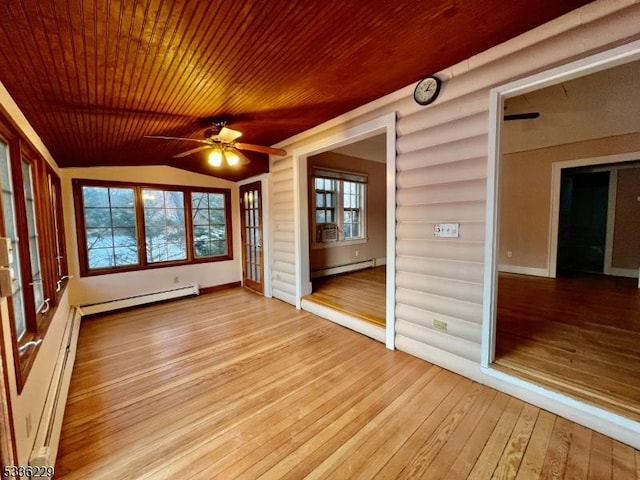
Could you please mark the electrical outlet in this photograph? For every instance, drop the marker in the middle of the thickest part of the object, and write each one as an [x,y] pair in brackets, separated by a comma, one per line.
[28,425]
[509,254]
[440,325]
[357,253]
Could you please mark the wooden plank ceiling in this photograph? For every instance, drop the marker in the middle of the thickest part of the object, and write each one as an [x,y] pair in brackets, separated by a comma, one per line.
[95,76]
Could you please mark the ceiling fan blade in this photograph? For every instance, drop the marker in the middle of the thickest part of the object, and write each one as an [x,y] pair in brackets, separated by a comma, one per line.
[258,148]
[521,116]
[192,151]
[228,135]
[206,142]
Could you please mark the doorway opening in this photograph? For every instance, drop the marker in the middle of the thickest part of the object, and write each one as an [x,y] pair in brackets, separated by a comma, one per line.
[346,228]
[347,234]
[563,303]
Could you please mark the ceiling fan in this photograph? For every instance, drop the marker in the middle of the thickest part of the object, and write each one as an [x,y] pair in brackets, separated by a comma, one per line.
[521,116]
[221,141]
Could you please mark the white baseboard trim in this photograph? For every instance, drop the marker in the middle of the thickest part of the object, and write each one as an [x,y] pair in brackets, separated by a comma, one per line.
[365,328]
[615,426]
[379,261]
[537,272]
[352,267]
[623,272]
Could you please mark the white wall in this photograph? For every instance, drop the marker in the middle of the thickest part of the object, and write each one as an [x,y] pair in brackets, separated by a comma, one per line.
[442,152]
[88,290]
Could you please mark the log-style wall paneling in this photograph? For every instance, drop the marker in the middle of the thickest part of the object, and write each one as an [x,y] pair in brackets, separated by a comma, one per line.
[468,169]
[441,176]
[283,230]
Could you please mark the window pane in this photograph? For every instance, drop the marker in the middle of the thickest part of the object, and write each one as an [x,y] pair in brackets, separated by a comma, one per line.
[95,197]
[110,222]
[209,220]
[9,213]
[165,231]
[121,197]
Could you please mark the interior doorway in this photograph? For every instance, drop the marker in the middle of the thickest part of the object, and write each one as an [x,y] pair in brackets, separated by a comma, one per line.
[251,235]
[574,333]
[347,234]
[305,228]
[582,231]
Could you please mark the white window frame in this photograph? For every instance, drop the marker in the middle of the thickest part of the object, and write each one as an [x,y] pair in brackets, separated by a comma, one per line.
[339,177]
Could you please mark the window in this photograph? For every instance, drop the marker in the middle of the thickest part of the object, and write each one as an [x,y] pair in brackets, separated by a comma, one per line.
[110,222]
[338,203]
[125,227]
[165,229]
[32,231]
[209,218]
[61,271]
[28,219]
[10,231]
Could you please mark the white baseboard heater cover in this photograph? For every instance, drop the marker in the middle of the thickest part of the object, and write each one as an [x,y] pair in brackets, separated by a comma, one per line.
[136,300]
[48,434]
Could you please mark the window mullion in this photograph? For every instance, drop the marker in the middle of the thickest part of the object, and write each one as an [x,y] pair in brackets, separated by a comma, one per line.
[188,220]
[141,233]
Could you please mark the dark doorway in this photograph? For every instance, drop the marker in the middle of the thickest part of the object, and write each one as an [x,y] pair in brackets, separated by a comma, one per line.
[582,229]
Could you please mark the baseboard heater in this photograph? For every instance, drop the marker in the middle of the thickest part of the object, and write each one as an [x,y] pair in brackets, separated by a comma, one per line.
[351,267]
[50,426]
[137,300]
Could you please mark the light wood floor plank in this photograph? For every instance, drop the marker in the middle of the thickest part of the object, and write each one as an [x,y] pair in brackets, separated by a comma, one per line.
[601,458]
[446,457]
[555,461]
[495,445]
[579,451]
[531,466]
[232,385]
[624,462]
[472,449]
[509,463]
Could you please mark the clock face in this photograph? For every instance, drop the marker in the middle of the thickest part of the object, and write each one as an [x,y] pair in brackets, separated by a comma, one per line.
[427,90]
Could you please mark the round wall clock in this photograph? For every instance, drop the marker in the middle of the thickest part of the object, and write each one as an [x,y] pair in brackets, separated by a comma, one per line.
[427,90]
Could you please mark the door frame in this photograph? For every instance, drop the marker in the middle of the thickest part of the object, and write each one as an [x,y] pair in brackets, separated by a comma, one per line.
[385,124]
[592,64]
[266,231]
[253,185]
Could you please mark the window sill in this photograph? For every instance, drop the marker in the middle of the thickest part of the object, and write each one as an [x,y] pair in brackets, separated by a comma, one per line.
[151,266]
[340,243]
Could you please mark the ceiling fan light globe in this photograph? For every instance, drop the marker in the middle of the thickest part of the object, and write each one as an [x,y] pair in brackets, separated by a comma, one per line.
[232,158]
[215,158]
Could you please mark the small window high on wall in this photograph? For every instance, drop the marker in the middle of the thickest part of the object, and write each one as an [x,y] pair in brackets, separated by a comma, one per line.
[339,200]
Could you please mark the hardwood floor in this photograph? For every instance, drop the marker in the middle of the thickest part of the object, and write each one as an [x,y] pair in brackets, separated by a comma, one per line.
[361,293]
[579,335]
[233,385]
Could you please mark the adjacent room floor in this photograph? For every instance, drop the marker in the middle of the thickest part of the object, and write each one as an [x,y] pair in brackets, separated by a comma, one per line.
[579,335]
[233,385]
[361,293]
